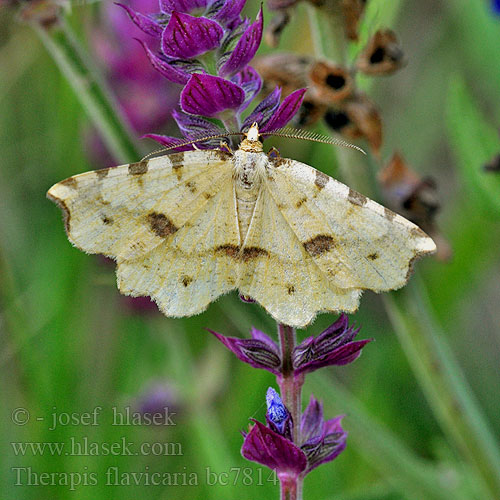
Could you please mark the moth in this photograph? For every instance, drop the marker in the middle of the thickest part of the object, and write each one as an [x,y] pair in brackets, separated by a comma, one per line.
[187,227]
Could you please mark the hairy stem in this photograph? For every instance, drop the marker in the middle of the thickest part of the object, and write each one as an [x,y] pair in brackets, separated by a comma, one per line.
[91,90]
[291,394]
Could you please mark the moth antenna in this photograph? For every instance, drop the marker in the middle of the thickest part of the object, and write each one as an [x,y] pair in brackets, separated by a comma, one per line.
[201,138]
[307,135]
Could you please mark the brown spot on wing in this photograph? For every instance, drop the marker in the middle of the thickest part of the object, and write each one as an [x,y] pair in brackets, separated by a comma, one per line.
[250,253]
[373,256]
[192,186]
[357,198]
[207,196]
[290,289]
[69,182]
[321,179]
[107,220]
[102,173]
[230,250]
[177,160]
[161,225]
[139,168]
[186,280]
[319,244]
[65,210]
[300,202]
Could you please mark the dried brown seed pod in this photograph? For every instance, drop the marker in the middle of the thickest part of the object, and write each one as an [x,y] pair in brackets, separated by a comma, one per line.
[329,83]
[415,198]
[356,118]
[382,55]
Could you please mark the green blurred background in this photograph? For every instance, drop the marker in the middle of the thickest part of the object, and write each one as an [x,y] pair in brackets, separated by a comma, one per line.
[70,343]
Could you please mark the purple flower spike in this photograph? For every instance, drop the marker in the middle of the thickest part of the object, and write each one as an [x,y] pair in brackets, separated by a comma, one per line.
[266,447]
[143,22]
[334,346]
[167,70]
[245,48]
[259,351]
[169,6]
[208,95]
[186,36]
[286,111]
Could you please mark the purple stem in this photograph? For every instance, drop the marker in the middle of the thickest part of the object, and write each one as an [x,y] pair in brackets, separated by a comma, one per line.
[291,394]
[289,488]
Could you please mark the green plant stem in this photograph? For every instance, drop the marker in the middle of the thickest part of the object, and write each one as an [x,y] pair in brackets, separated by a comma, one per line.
[90,89]
[433,363]
[291,394]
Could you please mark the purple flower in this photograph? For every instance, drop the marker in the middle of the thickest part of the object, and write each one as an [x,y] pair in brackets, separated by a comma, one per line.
[246,47]
[259,351]
[271,115]
[321,441]
[209,95]
[495,5]
[209,54]
[334,346]
[186,36]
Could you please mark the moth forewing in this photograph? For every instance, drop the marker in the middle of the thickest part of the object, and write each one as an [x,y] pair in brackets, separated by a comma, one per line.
[355,241]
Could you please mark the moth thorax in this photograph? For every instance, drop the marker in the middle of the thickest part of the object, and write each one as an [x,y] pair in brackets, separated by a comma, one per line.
[249,169]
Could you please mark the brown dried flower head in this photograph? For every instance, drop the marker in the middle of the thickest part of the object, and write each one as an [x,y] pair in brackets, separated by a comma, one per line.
[415,198]
[382,55]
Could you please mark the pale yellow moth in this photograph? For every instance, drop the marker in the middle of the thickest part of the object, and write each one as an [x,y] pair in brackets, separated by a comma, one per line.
[187,227]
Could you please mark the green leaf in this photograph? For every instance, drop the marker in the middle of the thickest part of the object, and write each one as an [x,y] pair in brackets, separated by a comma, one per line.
[474,143]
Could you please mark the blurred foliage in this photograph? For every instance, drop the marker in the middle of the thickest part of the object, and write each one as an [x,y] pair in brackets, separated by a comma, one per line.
[70,343]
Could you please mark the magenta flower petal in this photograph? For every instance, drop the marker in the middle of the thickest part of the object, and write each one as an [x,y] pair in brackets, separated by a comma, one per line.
[262,337]
[169,6]
[257,352]
[266,447]
[229,11]
[245,48]
[327,446]
[264,110]
[251,82]
[194,126]
[167,70]
[311,423]
[186,36]
[286,111]
[334,346]
[145,23]
[208,95]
